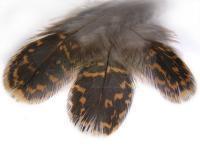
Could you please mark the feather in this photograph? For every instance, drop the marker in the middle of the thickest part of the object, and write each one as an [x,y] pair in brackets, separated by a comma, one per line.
[39,69]
[101,97]
[164,68]
[108,45]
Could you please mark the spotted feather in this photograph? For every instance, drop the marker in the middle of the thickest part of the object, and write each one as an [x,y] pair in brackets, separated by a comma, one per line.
[168,72]
[39,69]
[101,97]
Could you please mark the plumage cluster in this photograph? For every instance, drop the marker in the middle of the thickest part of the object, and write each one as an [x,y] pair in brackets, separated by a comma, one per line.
[105,46]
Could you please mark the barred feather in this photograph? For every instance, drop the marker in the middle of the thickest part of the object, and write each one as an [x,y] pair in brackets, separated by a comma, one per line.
[168,72]
[101,97]
[39,69]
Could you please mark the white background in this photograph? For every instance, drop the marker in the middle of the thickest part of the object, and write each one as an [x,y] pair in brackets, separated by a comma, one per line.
[152,123]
